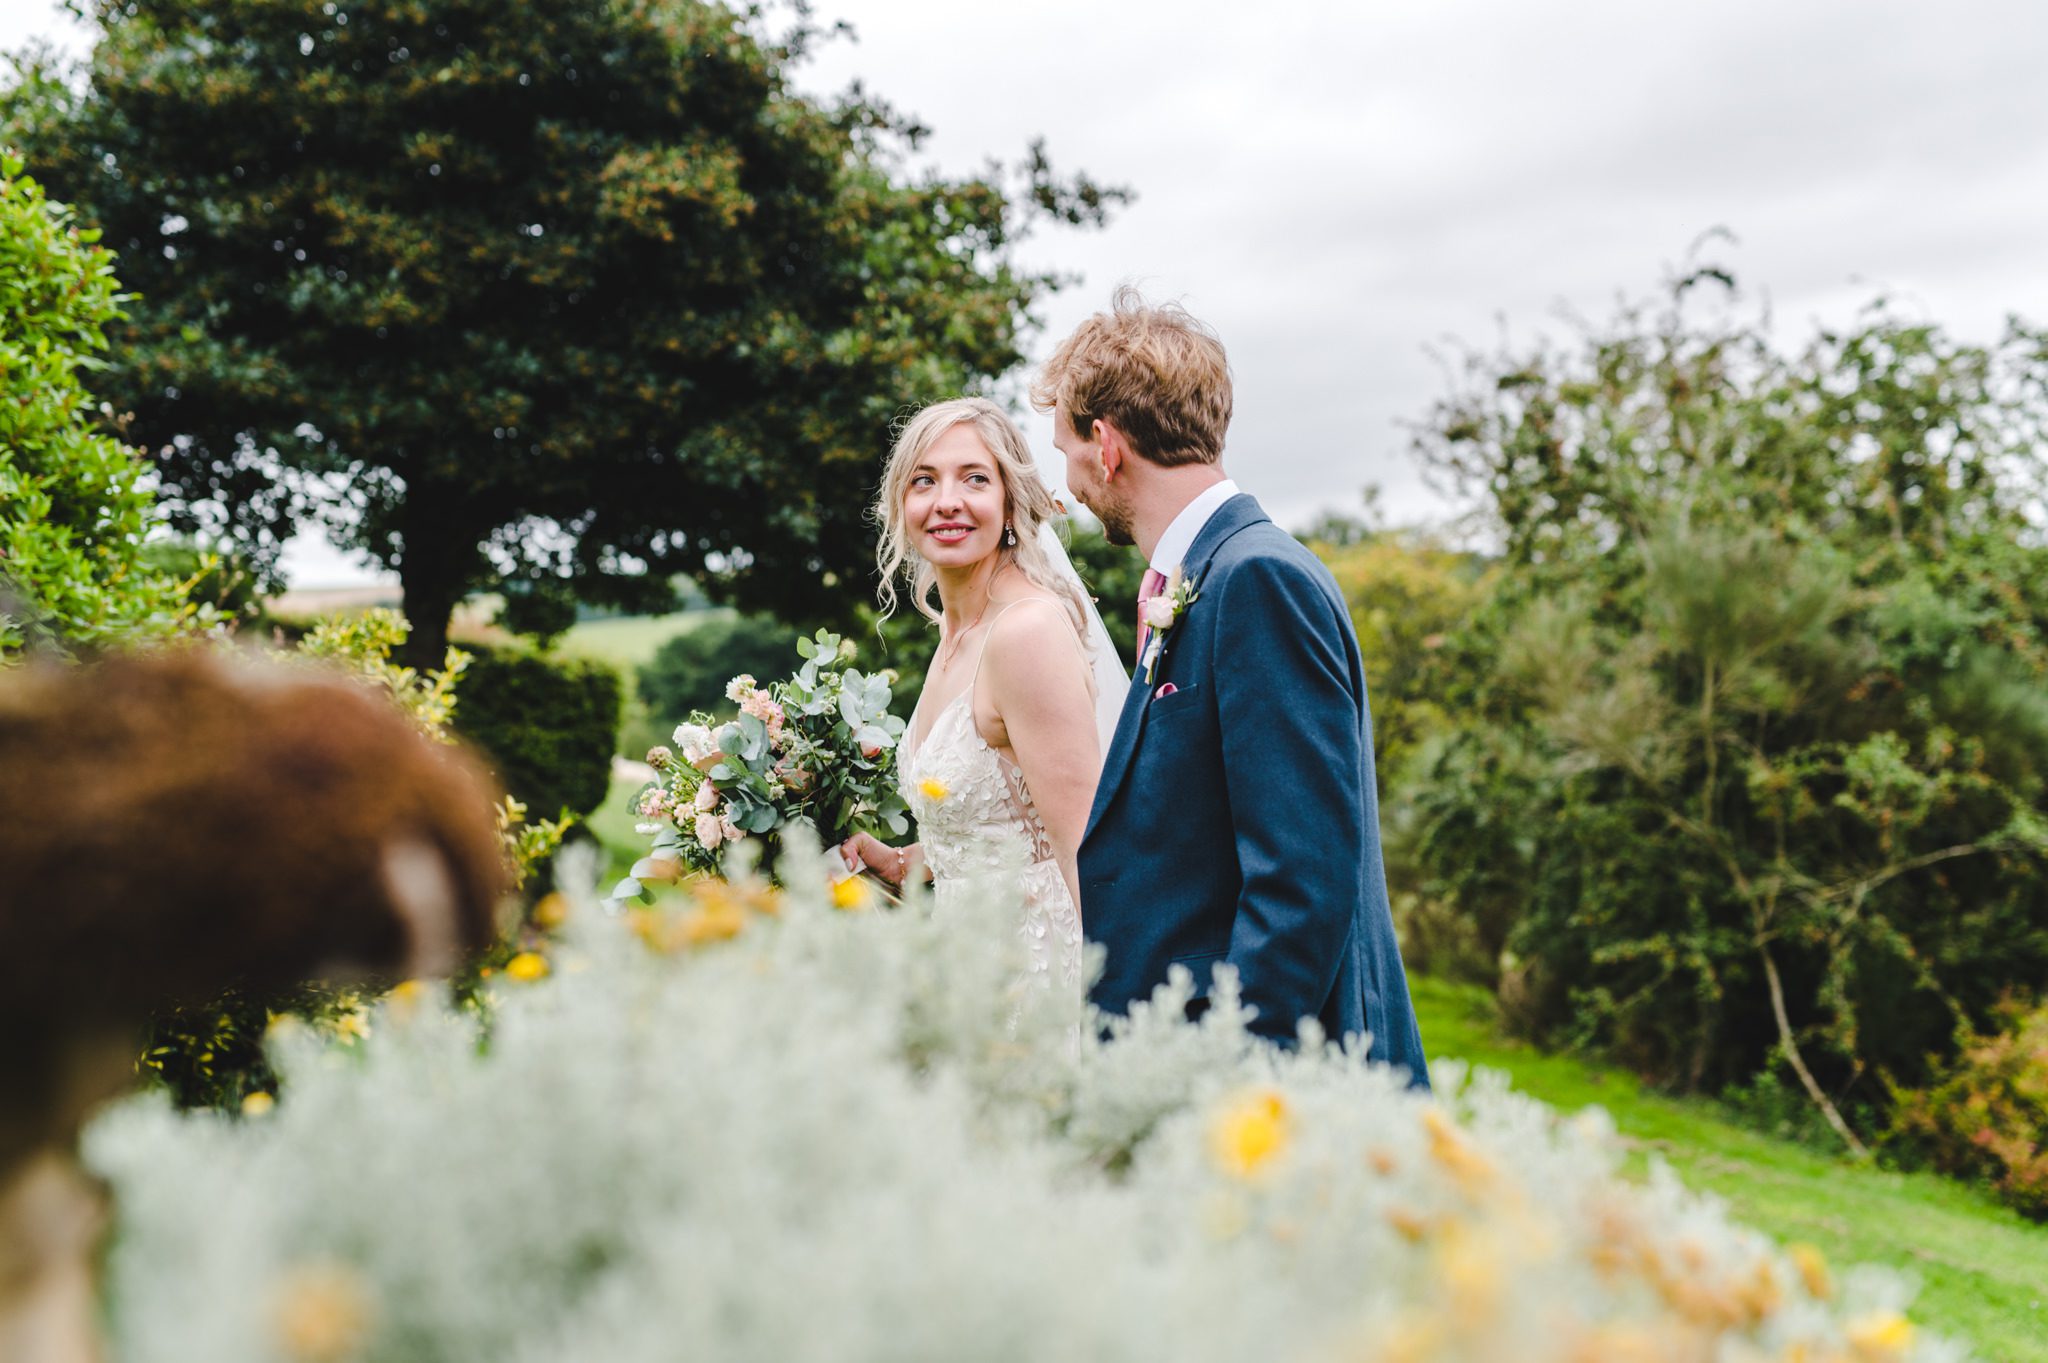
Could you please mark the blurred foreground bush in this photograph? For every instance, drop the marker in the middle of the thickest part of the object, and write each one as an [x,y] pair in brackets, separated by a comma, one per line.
[692,1117]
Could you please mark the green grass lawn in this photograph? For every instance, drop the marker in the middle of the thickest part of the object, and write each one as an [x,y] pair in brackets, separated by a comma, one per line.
[611,823]
[1983,1269]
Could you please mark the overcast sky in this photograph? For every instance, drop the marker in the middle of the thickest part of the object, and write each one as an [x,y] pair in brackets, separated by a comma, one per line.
[1337,187]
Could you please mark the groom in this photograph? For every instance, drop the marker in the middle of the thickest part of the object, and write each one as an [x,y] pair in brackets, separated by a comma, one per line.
[1237,820]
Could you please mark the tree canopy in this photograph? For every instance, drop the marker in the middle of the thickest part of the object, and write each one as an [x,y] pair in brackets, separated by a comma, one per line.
[559,295]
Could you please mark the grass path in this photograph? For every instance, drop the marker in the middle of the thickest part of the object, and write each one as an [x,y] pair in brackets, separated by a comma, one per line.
[1983,1269]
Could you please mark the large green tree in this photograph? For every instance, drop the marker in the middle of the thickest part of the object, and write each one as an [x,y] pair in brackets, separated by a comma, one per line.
[559,295]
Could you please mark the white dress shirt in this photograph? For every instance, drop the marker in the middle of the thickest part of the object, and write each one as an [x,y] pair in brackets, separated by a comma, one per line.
[1173,546]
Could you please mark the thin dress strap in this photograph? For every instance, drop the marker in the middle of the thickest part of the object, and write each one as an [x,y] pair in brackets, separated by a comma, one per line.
[989,638]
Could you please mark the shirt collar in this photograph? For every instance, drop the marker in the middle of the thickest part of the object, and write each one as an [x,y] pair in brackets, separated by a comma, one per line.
[1173,546]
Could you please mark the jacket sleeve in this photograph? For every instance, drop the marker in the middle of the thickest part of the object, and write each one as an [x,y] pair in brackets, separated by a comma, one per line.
[1294,766]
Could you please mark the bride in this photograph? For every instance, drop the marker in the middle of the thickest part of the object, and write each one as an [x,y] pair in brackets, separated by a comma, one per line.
[1001,756]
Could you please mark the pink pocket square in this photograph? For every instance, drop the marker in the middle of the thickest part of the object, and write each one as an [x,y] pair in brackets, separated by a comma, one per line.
[1165,689]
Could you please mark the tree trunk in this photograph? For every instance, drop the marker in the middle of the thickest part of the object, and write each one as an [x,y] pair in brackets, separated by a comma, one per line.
[1791,1048]
[429,602]
[438,567]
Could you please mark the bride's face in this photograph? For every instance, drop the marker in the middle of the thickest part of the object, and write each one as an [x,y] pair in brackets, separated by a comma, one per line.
[954,507]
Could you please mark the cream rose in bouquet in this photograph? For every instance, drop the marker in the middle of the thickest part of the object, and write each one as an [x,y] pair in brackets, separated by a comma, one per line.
[818,747]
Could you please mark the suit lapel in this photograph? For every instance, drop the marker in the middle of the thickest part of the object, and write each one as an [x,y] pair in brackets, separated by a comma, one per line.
[1233,516]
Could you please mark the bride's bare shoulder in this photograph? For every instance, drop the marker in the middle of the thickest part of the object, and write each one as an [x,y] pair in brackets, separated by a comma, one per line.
[1035,633]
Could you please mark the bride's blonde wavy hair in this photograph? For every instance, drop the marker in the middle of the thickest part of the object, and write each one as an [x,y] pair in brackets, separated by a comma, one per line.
[1028,503]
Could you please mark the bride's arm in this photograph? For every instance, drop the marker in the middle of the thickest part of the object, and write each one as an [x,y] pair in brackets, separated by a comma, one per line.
[1037,681]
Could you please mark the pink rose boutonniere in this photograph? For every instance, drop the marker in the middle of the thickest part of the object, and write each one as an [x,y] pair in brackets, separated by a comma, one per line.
[1163,612]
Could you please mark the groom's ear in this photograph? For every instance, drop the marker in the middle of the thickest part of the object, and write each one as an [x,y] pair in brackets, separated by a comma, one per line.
[1110,441]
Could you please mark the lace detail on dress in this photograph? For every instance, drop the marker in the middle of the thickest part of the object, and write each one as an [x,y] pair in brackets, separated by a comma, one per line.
[974,815]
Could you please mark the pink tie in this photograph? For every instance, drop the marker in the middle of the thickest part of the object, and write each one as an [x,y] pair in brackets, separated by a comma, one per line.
[1154,583]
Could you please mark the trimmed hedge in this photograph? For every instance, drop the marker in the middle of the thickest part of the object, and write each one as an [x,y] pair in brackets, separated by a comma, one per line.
[546,723]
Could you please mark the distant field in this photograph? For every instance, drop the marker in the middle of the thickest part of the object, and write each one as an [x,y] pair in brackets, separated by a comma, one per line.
[1983,1269]
[631,640]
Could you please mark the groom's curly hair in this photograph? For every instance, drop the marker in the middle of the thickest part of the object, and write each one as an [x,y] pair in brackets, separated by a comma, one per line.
[1154,372]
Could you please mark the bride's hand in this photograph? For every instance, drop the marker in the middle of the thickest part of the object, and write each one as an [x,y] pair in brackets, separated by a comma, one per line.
[866,851]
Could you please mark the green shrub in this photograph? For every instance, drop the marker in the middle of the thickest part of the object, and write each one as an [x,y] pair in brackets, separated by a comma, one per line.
[1406,593]
[546,723]
[1986,1116]
[1748,748]
[73,504]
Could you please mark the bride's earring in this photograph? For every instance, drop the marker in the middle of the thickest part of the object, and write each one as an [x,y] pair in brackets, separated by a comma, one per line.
[1009,535]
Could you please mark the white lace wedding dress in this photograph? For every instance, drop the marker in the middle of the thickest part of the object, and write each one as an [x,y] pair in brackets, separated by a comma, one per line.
[976,820]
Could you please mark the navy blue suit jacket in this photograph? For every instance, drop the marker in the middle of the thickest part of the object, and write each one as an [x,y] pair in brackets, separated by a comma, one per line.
[1237,820]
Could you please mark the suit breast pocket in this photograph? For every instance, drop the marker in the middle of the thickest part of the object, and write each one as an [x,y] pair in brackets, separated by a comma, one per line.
[1177,704]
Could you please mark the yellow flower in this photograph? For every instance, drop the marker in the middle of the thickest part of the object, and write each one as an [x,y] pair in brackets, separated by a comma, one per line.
[1413,1338]
[324,1314]
[354,1025]
[851,893]
[1813,1269]
[1250,1132]
[1631,1343]
[718,912]
[933,789]
[1449,1148]
[256,1104]
[551,912]
[408,992]
[711,921]
[1410,1226]
[1760,1294]
[1470,1267]
[283,1027]
[527,966]
[1881,1336]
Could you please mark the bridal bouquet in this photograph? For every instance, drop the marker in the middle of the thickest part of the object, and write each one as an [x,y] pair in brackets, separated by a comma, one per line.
[817,748]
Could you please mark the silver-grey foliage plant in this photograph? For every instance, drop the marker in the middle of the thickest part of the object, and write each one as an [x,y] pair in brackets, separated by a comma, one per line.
[828,1135]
